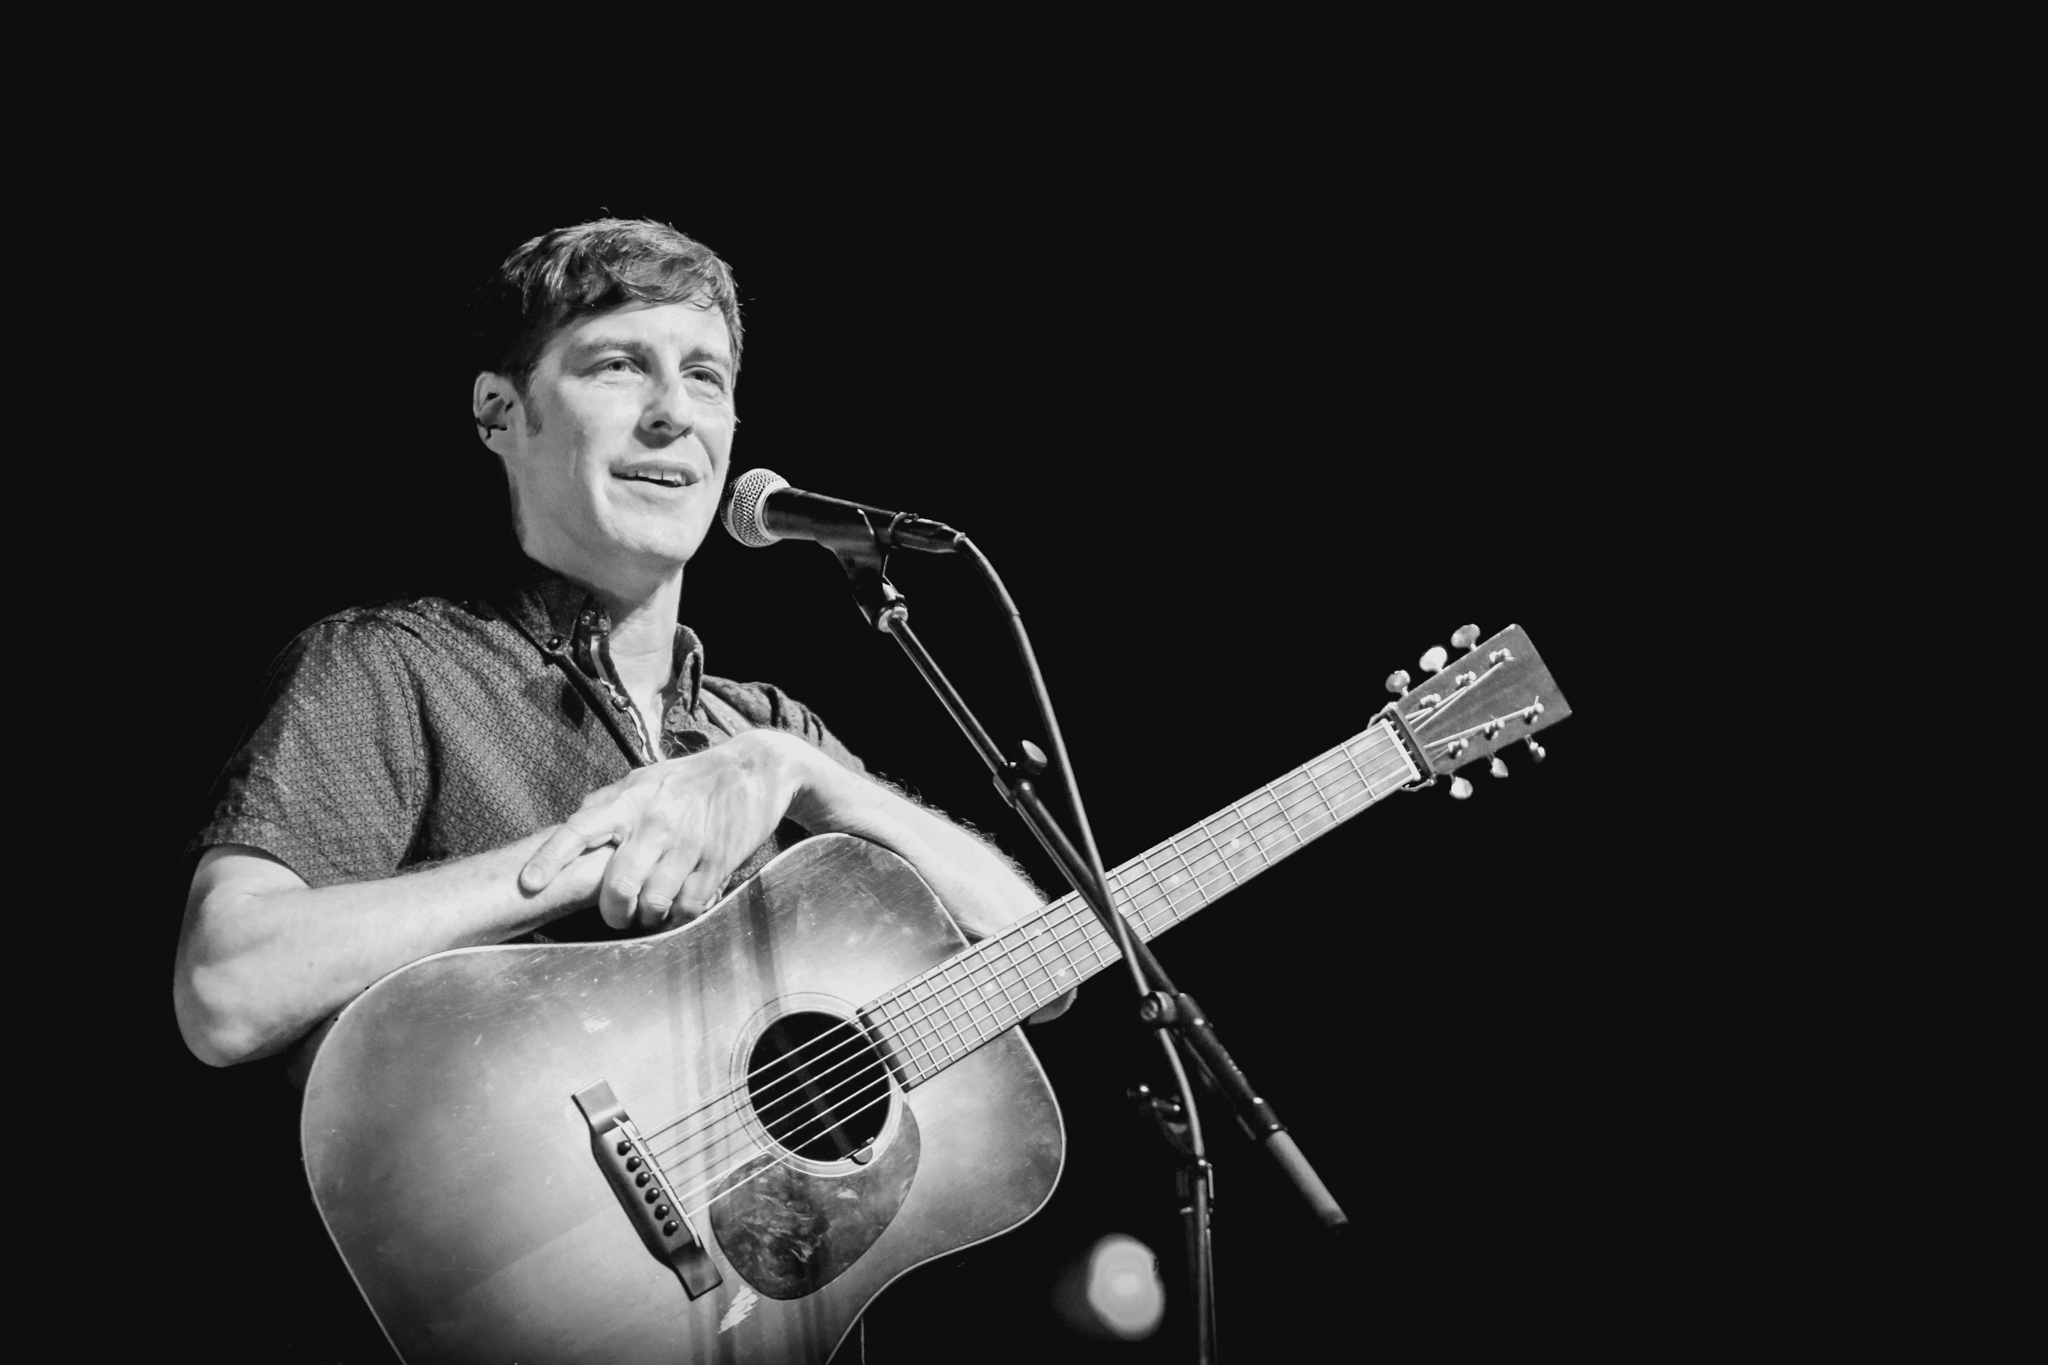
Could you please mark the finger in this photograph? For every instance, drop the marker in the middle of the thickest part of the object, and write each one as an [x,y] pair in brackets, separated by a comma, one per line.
[1054,1010]
[572,838]
[658,894]
[700,889]
[618,893]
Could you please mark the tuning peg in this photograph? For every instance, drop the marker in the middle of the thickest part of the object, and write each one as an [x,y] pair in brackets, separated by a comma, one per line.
[1537,753]
[1464,637]
[1499,769]
[1460,788]
[1397,682]
[1433,661]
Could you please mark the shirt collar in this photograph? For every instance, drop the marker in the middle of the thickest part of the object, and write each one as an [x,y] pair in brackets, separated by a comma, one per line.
[568,618]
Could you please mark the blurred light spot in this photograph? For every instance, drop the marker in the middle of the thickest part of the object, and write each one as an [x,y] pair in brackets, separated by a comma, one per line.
[1124,1288]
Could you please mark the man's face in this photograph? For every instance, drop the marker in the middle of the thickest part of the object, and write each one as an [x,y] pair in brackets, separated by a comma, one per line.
[635,410]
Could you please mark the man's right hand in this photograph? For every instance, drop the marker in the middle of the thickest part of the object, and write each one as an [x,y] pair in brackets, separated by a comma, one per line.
[682,827]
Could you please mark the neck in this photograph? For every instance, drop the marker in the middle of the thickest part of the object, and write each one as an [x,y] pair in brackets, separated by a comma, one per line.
[644,607]
[643,639]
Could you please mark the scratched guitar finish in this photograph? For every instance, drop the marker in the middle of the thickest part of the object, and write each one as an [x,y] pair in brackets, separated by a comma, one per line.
[485,1199]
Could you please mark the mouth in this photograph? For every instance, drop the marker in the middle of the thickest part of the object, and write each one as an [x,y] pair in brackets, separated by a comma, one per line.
[660,476]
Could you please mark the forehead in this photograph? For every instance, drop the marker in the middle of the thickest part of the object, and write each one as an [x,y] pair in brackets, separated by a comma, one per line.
[668,328]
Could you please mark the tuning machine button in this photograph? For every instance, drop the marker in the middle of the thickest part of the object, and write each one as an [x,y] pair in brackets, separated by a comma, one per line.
[1460,789]
[1397,682]
[1537,753]
[1433,661]
[1464,637]
[1499,768]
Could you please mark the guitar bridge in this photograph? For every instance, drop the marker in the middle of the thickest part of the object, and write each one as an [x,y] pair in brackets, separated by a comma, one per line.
[645,1193]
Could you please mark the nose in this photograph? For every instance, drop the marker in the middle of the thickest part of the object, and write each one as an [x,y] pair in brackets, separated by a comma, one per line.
[671,413]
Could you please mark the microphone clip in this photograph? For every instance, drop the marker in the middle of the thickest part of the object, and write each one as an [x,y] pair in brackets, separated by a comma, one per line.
[867,570]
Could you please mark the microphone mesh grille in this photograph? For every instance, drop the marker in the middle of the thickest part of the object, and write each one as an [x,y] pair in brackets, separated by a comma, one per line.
[743,509]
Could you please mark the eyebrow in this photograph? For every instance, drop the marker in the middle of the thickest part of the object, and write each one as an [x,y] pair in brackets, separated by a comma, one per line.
[637,347]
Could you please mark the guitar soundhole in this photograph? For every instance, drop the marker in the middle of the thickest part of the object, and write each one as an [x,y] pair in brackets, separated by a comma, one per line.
[818,1087]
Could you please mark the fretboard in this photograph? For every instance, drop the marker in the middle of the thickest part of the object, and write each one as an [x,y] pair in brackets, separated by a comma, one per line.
[933,1020]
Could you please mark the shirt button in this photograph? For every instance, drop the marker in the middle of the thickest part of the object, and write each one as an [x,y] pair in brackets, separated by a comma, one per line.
[554,642]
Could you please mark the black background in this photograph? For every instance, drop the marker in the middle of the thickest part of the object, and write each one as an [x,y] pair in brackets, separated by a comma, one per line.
[1244,435]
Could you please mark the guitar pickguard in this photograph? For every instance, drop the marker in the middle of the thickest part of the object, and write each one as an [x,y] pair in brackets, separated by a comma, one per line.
[790,1231]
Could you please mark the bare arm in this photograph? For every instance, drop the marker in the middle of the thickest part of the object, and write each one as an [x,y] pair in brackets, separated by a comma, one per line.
[671,857]
[263,957]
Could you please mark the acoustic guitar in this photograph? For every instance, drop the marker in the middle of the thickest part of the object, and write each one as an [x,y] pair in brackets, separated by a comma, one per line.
[720,1142]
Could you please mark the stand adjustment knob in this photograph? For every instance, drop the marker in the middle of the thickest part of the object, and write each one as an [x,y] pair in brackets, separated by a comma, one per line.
[1158,1008]
[1031,758]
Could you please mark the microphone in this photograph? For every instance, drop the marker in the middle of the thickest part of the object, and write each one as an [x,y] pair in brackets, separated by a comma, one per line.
[761,508]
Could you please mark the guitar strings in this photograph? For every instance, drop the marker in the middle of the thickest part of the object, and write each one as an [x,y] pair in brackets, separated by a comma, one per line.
[1227,864]
[841,1119]
[848,1035]
[1301,778]
[833,1118]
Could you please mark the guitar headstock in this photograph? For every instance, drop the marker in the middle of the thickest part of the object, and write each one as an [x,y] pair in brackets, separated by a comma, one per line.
[1500,693]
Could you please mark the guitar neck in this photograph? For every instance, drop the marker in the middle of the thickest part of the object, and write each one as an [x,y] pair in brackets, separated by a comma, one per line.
[935,1019]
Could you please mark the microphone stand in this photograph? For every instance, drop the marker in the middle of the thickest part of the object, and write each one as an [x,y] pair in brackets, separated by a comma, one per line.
[1177,1021]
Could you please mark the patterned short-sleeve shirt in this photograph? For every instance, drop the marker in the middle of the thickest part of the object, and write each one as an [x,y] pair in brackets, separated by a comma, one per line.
[425,729]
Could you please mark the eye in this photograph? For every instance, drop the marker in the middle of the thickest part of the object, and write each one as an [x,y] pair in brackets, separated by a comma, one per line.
[617,364]
[711,377]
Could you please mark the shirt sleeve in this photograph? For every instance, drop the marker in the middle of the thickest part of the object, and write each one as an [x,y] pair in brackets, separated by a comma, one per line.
[768,707]
[331,780]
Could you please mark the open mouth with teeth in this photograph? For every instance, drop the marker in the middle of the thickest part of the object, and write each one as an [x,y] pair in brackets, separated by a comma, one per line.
[665,478]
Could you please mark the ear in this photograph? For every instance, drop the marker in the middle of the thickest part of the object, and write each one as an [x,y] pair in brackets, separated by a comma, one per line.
[492,400]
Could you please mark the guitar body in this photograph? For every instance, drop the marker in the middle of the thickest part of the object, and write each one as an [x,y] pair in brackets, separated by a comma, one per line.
[455,1169]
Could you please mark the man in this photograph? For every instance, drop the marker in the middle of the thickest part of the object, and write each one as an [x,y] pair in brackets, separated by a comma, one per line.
[434,774]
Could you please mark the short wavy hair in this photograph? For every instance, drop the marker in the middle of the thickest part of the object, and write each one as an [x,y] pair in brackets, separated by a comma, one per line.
[575,272]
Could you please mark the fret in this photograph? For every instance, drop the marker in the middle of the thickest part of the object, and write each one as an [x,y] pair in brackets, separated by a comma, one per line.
[947,1001]
[1300,839]
[1274,833]
[1388,764]
[1013,970]
[1200,868]
[917,1037]
[1243,846]
[1224,862]
[1265,833]
[1322,800]
[1178,879]
[1141,906]
[1353,758]
[1055,985]
[956,1006]
[1128,882]
[1060,938]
